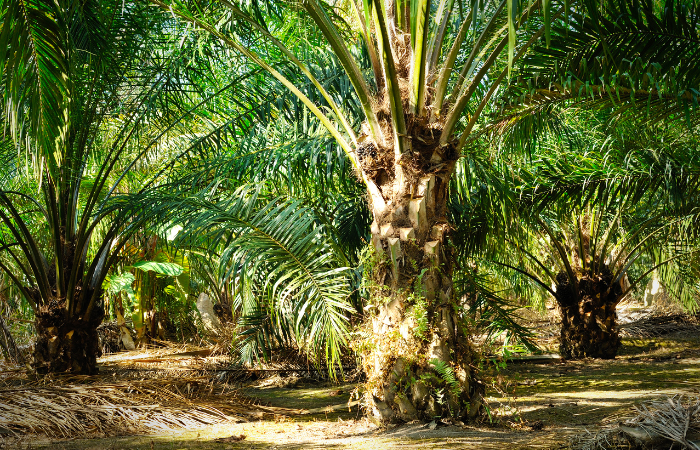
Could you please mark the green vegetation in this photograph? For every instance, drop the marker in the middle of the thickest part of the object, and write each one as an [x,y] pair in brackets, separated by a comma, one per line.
[387,181]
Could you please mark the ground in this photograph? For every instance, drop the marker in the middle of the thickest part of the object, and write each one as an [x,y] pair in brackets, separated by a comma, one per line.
[533,405]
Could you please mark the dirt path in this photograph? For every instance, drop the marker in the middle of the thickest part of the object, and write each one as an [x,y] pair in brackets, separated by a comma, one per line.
[533,406]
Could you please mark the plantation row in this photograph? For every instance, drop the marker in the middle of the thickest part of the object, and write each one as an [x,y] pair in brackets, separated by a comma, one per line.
[381,180]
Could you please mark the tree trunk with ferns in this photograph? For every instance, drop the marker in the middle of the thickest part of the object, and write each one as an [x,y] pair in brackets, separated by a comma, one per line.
[421,363]
[417,353]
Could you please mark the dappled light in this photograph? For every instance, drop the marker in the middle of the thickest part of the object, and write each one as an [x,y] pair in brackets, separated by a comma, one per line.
[349,224]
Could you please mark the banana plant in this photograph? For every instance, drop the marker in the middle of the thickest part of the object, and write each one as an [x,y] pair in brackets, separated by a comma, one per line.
[116,285]
[147,280]
[155,272]
[141,285]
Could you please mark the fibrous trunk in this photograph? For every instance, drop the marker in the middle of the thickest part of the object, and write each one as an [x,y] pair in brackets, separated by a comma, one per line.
[65,342]
[418,357]
[8,343]
[589,327]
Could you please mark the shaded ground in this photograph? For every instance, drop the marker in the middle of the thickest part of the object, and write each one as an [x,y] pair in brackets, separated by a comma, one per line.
[532,405]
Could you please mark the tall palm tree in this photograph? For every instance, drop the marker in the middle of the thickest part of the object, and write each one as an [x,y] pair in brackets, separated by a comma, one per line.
[434,68]
[81,82]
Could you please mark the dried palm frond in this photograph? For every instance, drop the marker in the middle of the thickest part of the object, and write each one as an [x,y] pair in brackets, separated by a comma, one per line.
[659,325]
[670,419]
[132,407]
[664,423]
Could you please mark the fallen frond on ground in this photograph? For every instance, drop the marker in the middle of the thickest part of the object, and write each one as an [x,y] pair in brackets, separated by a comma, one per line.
[660,423]
[173,362]
[659,325]
[133,407]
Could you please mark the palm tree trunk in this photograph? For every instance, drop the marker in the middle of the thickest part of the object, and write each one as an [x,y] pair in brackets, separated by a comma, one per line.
[589,327]
[66,343]
[8,343]
[419,361]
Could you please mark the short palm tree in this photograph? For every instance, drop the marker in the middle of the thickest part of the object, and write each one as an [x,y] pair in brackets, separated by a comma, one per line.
[633,70]
[80,81]
[629,207]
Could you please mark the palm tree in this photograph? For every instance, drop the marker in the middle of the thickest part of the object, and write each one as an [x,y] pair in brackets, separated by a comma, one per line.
[81,81]
[432,74]
[420,106]
[631,69]
[604,220]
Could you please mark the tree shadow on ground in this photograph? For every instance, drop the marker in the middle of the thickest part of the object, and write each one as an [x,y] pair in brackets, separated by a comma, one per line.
[564,399]
[409,436]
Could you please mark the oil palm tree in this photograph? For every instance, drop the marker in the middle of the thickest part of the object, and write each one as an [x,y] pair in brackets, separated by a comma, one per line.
[601,221]
[86,88]
[631,69]
[434,68]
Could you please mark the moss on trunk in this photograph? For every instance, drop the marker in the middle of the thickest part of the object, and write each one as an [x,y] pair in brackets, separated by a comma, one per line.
[416,352]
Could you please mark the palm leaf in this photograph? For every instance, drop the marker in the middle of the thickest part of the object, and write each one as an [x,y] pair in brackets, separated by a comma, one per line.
[277,247]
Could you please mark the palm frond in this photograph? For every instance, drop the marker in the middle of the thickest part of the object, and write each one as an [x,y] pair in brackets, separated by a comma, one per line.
[629,56]
[35,59]
[280,255]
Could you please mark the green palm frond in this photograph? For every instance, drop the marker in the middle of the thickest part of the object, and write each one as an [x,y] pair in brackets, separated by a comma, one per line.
[352,222]
[680,280]
[589,156]
[282,258]
[633,57]
[495,315]
[34,48]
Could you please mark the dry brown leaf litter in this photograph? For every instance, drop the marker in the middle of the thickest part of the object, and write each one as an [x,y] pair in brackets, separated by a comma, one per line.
[74,410]
[665,423]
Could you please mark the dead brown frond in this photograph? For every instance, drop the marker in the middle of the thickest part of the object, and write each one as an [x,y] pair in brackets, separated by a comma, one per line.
[73,410]
[661,324]
[671,419]
[224,339]
[664,423]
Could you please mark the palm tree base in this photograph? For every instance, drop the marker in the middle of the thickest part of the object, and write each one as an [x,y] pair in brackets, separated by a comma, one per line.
[589,328]
[419,361]
[420,366]
[64,343]
[577,343]
[426,382]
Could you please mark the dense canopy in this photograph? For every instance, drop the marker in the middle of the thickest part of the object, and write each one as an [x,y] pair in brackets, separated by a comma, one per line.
[380,180]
